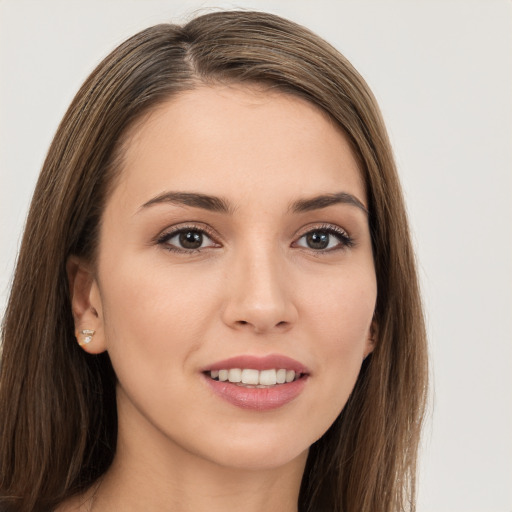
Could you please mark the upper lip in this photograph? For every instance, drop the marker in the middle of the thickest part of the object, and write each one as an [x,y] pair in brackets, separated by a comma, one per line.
[268,362]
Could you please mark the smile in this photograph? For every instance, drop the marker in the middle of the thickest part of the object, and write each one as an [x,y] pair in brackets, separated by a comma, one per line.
[257,383]
[254,378]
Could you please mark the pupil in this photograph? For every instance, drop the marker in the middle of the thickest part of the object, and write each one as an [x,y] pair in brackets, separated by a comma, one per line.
[318,240]
[191,239]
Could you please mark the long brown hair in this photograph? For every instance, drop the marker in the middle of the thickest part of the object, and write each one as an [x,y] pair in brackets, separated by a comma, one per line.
[58,422]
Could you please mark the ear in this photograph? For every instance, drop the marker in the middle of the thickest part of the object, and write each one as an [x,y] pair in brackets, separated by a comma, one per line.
[371,342]
[86,306]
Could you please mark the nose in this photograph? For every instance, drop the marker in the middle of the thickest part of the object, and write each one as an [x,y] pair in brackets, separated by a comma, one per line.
[259,294]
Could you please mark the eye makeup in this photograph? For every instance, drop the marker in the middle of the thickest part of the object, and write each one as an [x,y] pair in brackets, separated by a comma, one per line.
[193,238]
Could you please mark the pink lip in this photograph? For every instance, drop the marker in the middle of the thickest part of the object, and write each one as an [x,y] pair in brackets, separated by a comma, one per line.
[258,399]
[276,361]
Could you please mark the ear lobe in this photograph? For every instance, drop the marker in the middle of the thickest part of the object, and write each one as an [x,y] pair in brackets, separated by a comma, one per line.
[371,342]
[86,306]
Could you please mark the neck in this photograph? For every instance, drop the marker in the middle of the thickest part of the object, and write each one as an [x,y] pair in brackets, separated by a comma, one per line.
[129,488]
[155,474]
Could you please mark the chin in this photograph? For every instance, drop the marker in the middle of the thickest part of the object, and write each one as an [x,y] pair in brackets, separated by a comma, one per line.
[257,458]
[256,447]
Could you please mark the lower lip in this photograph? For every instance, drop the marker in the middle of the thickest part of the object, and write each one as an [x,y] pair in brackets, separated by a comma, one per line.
[257,399]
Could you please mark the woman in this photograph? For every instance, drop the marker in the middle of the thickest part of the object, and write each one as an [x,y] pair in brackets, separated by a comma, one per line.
[215,304]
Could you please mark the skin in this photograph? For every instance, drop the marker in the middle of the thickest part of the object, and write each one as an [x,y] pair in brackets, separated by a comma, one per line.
[254,287]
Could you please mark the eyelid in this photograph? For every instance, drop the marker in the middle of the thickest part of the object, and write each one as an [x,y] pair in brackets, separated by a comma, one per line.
[172,231]
[321,226]
[345,239]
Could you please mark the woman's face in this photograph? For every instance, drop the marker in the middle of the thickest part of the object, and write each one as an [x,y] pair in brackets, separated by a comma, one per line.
[235,245]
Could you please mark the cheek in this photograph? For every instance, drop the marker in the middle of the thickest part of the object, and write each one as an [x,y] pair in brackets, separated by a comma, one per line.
[340,321]
[341,308]
[153,313]
[155,320]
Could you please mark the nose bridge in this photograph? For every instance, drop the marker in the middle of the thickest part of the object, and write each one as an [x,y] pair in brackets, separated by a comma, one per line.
[258,292]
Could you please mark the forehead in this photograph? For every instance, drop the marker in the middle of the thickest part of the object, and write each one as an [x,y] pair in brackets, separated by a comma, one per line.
[232,138]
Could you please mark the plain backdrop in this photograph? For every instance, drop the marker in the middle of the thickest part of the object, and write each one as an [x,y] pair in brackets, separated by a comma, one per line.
[442,73]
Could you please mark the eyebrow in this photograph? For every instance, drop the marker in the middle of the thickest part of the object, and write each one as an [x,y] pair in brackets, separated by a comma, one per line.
[196,200]
[325,200]
[220,205]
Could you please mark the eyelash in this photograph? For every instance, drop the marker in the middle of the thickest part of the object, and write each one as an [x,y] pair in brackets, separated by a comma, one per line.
[164,238]
[345,240]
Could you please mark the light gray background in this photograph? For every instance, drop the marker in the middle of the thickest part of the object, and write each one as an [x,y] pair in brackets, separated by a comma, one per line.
[442,73]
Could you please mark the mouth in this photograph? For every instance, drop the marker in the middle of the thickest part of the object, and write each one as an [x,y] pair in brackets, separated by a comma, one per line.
[257,383]
[252,378]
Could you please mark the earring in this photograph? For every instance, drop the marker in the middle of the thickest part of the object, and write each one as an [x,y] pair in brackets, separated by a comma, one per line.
[84,336]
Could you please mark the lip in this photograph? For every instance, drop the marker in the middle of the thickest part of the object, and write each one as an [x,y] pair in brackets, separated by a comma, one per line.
[258,399]
[258,363]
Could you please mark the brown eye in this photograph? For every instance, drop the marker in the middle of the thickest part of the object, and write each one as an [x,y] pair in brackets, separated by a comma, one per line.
[325,239]
[318,240]
[186,239]
[190,239]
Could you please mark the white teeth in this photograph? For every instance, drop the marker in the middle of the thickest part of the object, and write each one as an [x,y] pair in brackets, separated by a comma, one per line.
[268,377]
[290,375]
[235,375]
[252,377]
